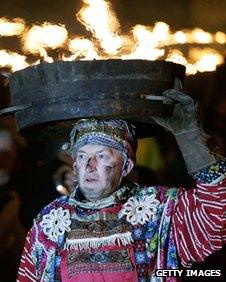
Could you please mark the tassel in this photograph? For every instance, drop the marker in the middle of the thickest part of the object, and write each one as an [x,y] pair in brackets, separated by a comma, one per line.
[121,239]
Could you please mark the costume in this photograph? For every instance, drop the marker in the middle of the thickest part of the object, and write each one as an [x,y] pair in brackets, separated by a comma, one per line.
[128,235]
[134,231]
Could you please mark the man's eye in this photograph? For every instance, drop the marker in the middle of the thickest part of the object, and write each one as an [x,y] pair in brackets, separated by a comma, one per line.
[100,156]
[81,156]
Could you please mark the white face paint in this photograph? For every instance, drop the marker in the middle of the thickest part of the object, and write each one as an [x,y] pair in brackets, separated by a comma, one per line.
[99,170]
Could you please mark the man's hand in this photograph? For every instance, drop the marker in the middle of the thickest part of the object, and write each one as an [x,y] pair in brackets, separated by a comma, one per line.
[184,115]
[184,126]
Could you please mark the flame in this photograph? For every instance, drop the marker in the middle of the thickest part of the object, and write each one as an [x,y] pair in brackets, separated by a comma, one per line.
[180,37]
[12,60]
[11,28]
[106,41]
[220,37]
[146,44]
[194,36]
[160,33]
[177,57]
[82,48]
[40,38]
[200,36]
[205,59]
[99,18]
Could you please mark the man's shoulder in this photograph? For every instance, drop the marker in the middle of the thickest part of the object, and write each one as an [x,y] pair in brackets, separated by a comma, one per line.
[61,203]
[52,222]
[161,192]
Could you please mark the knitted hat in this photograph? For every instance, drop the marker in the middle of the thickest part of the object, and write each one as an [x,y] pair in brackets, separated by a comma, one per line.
[113,133]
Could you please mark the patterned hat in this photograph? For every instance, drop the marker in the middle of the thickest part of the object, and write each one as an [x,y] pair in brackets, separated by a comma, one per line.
[113,133]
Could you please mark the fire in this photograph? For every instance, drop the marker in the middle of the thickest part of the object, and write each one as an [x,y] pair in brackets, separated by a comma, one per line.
[180,37]
[82,49]
[200,36]
[12,60]
[99,18]
[40,38]
[205,59]
[177,57]
[107,41]
[11,28]
[146,44]
[220,37]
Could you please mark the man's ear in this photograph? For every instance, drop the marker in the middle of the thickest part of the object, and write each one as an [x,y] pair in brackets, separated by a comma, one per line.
[128,167]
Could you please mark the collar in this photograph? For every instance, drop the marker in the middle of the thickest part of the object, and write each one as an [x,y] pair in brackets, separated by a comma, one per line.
[78,199]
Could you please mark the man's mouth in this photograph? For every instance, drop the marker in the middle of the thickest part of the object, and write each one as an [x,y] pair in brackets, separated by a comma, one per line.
[91,179]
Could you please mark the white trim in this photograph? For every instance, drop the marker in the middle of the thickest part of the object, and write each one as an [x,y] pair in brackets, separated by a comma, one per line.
[121,239]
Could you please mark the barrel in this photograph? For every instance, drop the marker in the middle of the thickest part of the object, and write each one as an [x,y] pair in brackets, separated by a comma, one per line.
[48,98]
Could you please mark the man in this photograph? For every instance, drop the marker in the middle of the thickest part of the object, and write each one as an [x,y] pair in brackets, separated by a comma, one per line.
[108,230]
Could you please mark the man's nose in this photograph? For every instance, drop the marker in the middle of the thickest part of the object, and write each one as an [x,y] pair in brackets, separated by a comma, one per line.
[91,164]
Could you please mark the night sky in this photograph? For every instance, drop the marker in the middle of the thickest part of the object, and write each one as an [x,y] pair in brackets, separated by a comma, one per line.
[207,14]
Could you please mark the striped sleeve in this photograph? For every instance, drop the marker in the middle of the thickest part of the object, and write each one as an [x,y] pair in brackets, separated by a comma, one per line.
[200,222]
[27,271]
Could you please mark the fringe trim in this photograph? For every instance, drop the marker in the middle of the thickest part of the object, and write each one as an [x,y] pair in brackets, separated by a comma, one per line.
[121,239]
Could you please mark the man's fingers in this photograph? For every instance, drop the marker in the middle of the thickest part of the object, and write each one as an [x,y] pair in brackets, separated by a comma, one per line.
[178,96]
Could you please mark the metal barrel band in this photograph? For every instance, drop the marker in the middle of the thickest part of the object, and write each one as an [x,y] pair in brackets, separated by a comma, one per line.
[13,110]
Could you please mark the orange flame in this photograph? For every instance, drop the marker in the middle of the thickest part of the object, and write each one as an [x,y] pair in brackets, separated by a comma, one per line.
[82,49]
[99,18]
[11,28]
[12,60]
[146,44]
[205,59]
[47,36]
[177,57]
[197,35]
[220,37]
[107,41]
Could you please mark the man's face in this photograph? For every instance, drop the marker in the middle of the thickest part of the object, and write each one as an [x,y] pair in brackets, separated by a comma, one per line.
[98,170]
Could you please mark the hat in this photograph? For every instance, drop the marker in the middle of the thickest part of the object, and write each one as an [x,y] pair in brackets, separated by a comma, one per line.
[113,133]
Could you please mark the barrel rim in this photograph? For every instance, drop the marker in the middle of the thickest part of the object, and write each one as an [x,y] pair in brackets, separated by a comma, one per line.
[96,62]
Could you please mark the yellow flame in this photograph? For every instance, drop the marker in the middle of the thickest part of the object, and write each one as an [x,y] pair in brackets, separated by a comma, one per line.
[220,37]
[12,60]
[205,59]
[176,56]
[179,37]
[99,18]
[106,41]
[146,44]
[160,33]
[11,28]
[198,35]
[82,48]
[46,36]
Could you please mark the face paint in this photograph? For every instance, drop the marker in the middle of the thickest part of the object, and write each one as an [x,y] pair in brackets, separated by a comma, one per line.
[99,170]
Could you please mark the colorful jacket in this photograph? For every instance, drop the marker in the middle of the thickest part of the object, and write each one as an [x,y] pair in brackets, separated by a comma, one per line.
[127,236]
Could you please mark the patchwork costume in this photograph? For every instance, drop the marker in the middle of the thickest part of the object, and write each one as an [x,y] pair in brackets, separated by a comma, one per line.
[129,234]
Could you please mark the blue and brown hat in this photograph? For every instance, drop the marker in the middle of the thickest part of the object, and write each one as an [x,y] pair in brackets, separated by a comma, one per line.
[113,133]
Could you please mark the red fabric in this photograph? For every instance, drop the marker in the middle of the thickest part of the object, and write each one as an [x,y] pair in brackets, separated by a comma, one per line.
[102,276]
[27,271]
[199,222]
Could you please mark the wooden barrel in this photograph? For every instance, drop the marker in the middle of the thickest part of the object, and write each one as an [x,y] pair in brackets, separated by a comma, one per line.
[49,97]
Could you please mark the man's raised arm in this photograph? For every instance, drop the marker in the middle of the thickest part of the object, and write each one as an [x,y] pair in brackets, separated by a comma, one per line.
[200,214]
